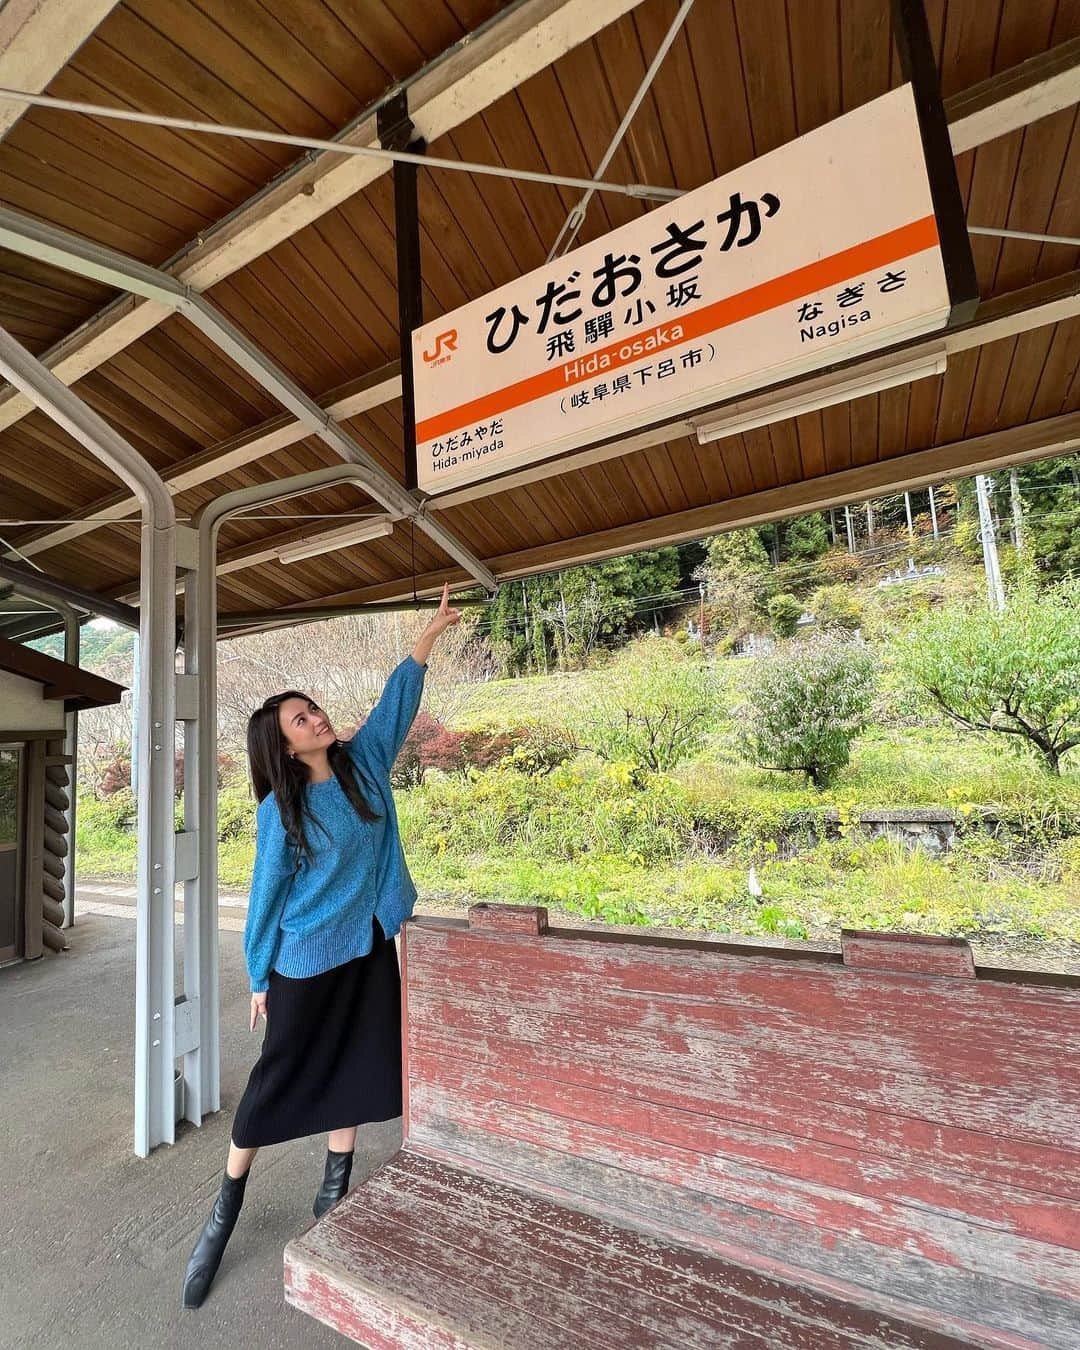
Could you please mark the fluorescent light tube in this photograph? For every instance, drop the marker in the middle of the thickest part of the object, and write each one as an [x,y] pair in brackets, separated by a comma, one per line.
[335,539]
[842,390]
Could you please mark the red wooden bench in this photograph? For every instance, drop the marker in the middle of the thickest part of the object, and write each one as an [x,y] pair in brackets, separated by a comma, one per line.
[619,1142]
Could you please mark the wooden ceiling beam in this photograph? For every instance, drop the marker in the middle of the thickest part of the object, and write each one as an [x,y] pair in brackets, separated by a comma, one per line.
[37,39]
[920,468]
[465,80]
[961,459]
[444,95]
[1015,98]
[1046,302]
[276,433]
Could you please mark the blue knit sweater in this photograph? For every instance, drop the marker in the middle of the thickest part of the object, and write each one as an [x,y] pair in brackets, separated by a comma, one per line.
[306,920]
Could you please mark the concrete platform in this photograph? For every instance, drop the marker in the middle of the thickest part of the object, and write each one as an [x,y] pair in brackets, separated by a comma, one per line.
[93,1241]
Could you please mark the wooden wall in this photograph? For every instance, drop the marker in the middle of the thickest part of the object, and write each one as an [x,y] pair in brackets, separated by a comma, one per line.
[44,843]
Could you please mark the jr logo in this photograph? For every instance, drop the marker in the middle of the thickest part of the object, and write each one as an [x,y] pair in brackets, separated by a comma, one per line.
[445,343]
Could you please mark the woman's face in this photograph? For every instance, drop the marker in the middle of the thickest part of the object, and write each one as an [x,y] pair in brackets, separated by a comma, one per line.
[305,726]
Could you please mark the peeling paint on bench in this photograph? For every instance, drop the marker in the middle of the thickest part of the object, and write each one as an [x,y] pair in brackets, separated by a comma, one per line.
[634,1142]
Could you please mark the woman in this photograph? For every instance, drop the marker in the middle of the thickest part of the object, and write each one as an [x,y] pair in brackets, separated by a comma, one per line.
[329,892]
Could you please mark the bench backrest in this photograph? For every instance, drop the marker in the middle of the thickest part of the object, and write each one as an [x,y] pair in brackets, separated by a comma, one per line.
[888,1115]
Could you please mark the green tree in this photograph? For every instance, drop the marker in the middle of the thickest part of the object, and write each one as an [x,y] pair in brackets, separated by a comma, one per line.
[1014,673]
[736,574]
[560,618]
[806,537]
[806,703]
[1050,492]
[785,611]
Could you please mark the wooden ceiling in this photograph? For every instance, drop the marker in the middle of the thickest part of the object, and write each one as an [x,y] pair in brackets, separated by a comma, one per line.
[743,77]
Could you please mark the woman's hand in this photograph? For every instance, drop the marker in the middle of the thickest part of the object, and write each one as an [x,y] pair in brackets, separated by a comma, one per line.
[444,617]
[258,1009]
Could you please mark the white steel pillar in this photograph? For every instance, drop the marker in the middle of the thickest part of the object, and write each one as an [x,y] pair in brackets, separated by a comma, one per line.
[72,634]
[155,1117]
[198,1029]
[198,1022]
[155,750]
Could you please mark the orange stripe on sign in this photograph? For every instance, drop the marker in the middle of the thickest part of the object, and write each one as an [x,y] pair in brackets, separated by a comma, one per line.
[886,248]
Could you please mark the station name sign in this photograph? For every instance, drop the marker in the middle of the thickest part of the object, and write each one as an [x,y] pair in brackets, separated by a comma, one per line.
[825,248]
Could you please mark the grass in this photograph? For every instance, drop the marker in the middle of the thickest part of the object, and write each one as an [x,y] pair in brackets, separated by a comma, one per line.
[584,842]
[531,699]
[813,895]
[922,766]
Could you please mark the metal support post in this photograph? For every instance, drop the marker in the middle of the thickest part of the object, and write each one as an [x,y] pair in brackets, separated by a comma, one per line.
[155,751]
[155,1121]
[850,530]
[197,700]
[72,634]
[198,1038]
[933,514]
[907,512]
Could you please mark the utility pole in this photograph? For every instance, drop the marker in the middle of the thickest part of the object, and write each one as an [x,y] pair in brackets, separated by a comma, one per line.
[701,614]
[565,625]
[1017,511]
[850,530]
[528,635]
[907,512]
[933,513]
[870,522]
[989,544]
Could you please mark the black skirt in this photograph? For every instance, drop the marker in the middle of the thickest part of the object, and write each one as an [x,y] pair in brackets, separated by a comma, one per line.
[331,1053]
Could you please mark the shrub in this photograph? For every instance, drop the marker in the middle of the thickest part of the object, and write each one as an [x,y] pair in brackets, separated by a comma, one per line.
[443,750]
[836,607]
[806,703]
[1014,673]
[538,750]
[484,749]
[653,707]
[838,565]
[236,810]
[785,611]
[115,776]
[409,767]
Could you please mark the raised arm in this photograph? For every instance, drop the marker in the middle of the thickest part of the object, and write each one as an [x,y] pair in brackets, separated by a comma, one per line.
[388,723]
[383,734]
[270,884]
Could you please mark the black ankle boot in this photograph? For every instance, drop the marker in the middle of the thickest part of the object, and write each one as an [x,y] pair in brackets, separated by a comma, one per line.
[335,1181]
[206,1257]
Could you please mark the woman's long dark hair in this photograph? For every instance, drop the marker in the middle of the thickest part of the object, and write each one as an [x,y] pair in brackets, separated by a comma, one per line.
[274,770]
